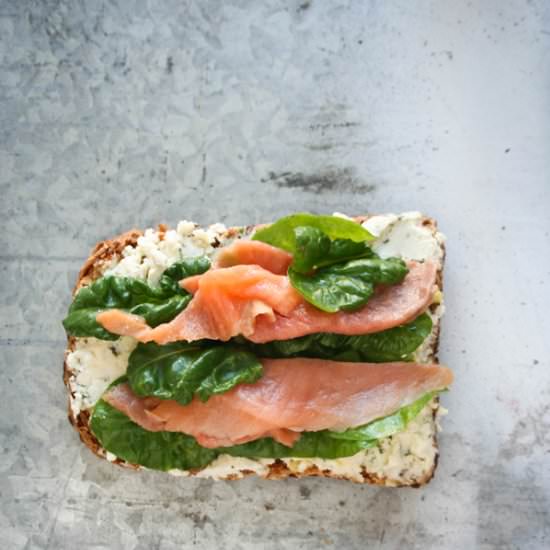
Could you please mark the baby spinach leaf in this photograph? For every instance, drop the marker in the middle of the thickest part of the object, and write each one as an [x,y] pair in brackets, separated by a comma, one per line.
[179,371]
[331,292]
[187,267]
[125,293]
[157,450]
[156,304]
[388,425]
[310,445]
[281,233]
[236,367]
[349,285]
[387,271]
[171,450]
[394,344]
[315,249]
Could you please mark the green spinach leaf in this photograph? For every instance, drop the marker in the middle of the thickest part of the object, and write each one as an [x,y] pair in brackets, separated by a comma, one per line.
[347,286]
[156,304]
[170,450]
[179,371]
[157,450]
[314,249]
[388,425]
[169,281]
[282,235]
[394,344]
[310,445]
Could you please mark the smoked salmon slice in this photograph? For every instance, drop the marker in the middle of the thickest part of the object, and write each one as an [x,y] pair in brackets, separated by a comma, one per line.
[293,395]
[247,252]
[226,302]
[389,307]
[252,301]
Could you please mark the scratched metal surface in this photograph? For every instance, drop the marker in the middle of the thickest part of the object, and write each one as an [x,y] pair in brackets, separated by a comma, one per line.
[131,113]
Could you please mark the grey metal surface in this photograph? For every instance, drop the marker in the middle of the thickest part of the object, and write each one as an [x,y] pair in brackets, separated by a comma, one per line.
[129,113]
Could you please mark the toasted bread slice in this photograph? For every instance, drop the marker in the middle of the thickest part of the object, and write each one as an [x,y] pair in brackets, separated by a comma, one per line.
[405,459]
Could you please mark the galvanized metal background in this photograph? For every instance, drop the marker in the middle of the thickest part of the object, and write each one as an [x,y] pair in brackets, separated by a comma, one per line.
[127,113]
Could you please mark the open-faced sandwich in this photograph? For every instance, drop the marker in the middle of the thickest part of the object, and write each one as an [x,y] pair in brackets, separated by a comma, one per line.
[302,347]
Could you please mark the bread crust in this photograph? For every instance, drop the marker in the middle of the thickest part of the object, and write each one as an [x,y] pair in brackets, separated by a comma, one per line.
[105,252]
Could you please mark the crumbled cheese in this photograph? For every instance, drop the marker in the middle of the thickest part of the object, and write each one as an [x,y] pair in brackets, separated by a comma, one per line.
[226,465]
[403,458]
[179,473]
[153,254]
[424,353]
[405,236]
[185,228]
[94,365]
[408,455]
[343,216]
[376,225]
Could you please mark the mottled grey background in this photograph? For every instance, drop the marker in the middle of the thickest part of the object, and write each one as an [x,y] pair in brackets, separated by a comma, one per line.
[127,113]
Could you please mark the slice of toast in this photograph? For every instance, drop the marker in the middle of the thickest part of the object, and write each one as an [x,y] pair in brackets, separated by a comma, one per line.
[405,459]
